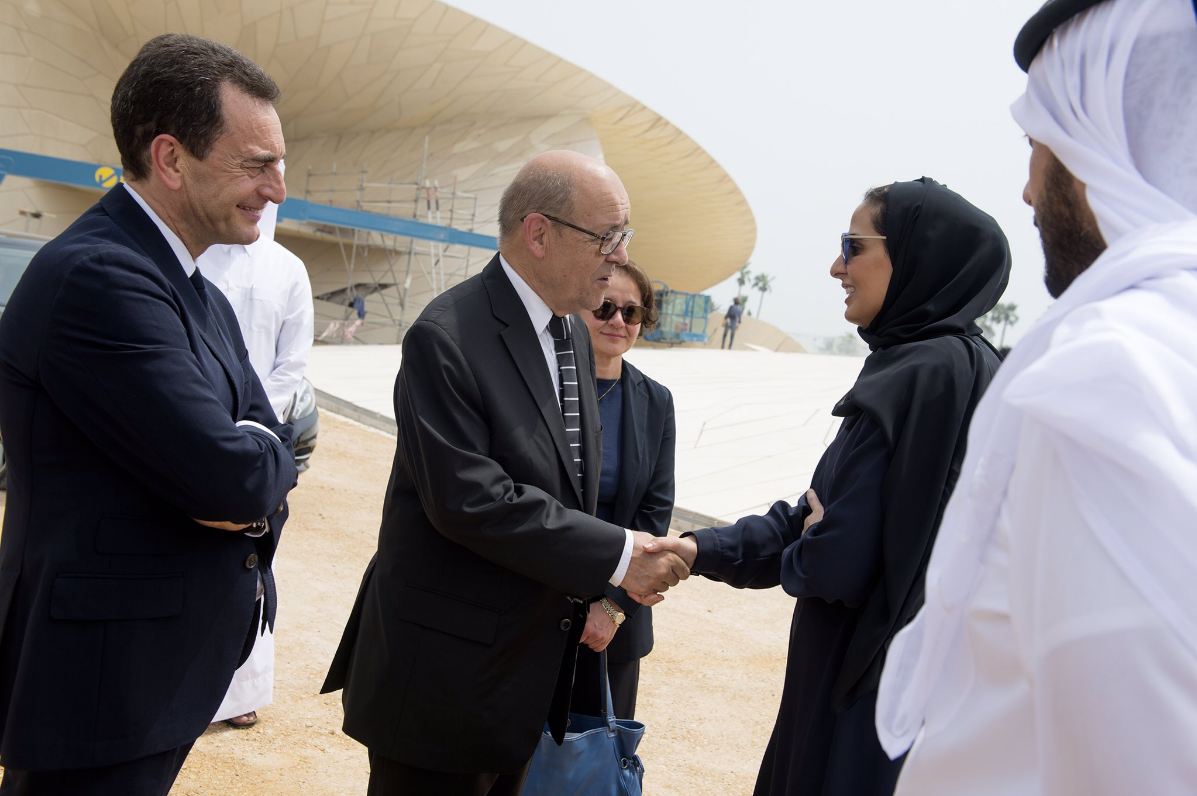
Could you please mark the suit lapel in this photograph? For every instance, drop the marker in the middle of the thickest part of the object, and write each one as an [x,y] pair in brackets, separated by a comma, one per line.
[524,346]
[631,452]
[133,220]
[219,340]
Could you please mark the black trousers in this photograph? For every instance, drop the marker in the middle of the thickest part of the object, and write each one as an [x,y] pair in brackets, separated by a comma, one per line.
[146,776]
[391,778]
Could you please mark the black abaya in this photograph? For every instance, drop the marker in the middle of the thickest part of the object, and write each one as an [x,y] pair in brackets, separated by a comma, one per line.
[814,749]
[883,483]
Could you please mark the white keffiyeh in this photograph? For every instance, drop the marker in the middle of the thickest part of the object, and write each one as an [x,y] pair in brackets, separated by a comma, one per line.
[1113,94]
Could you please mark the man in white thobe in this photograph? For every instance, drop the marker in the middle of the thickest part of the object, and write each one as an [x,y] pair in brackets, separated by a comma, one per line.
[270,292]
[1057,649]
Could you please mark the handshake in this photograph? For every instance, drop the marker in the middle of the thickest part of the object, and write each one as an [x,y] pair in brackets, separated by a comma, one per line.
[657,563]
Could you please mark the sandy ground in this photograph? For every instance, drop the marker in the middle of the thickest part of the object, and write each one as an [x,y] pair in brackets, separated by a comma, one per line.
[708,692]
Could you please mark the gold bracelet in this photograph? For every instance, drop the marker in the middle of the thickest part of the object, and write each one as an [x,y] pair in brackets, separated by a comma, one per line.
[617,616]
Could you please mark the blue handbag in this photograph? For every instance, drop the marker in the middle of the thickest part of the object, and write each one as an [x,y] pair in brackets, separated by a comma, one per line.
[597,758]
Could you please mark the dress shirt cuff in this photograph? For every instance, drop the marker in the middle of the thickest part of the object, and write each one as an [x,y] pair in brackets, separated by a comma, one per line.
[259,426]
[624,559]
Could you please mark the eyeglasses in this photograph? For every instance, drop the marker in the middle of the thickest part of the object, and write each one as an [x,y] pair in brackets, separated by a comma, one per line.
[632,313]
[608,242]
[846,239]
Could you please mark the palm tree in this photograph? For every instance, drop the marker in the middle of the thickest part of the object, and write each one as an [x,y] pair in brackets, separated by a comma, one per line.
[1007,316]
[763,283]
[744,277]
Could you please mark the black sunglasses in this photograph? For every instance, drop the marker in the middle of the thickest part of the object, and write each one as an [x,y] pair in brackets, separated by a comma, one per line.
[632,313]
[846,244]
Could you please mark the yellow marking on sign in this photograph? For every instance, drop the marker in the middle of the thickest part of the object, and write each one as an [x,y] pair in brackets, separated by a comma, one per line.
[106,176]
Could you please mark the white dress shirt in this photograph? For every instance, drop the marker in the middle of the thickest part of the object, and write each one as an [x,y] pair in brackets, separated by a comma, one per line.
[270,292]
[540,314]
[174,241]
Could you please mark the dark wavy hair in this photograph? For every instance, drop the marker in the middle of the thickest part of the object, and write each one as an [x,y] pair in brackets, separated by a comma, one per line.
[172,87]
[878,199]
[647,299]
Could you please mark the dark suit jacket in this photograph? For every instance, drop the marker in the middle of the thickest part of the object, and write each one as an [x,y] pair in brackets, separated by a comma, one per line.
[121,619]
[644,500]
[462,625]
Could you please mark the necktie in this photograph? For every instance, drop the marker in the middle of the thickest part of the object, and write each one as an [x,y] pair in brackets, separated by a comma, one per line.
[197,279]
[567,377]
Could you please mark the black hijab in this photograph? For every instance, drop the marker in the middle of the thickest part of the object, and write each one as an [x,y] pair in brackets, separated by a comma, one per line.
[928,368]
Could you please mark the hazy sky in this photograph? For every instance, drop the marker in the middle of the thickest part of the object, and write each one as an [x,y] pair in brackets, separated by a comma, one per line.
[807,105]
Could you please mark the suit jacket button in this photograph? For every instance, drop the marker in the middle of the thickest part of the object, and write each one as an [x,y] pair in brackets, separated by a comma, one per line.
[566,624]
[251,561]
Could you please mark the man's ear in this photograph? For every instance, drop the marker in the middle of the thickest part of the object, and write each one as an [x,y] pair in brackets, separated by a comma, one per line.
[166,160]
[535,230]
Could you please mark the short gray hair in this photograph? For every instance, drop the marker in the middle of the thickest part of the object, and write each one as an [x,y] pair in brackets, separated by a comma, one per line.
[535,190]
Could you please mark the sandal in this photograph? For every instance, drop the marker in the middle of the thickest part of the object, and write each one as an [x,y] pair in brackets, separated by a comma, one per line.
[244,721]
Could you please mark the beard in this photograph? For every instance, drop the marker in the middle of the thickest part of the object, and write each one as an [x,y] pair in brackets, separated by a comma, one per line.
[1067,228]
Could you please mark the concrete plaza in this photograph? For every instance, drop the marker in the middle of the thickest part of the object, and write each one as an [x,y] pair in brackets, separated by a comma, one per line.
[751,425]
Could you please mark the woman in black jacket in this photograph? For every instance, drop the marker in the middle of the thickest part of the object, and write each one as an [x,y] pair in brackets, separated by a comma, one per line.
[918,265]
[635,486]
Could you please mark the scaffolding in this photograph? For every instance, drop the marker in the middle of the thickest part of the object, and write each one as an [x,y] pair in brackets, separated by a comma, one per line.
[682,316]
[391,270]
[381,228]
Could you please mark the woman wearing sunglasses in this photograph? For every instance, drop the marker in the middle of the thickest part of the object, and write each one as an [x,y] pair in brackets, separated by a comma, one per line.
[918,266]
[635,486]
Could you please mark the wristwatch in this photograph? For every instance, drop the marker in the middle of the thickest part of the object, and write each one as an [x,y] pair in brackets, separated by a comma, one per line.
[617,616]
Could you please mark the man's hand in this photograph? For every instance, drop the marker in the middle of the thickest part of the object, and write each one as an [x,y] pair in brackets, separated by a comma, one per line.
[816,510]
[221,525]
[684,546]
[599,630]
[651,572]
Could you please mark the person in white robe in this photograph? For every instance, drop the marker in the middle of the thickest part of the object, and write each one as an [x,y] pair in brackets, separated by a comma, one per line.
[1056,652]
[271,294]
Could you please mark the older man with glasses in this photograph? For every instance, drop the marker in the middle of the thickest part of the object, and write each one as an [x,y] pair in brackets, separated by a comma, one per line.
[463,639]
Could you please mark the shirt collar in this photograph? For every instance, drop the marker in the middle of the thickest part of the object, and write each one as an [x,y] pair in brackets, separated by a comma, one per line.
[538,312]
[173,240]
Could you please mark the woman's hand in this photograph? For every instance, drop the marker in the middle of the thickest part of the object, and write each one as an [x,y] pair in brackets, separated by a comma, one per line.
[816,510]
[599,630]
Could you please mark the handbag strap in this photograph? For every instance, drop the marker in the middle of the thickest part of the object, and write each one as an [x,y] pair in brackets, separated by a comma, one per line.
[605,688]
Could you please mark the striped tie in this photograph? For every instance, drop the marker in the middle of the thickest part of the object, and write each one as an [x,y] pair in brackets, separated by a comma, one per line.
[567,376]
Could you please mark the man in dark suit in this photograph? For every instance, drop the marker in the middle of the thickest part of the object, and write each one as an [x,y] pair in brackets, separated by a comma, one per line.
[462,640]
[147,471]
